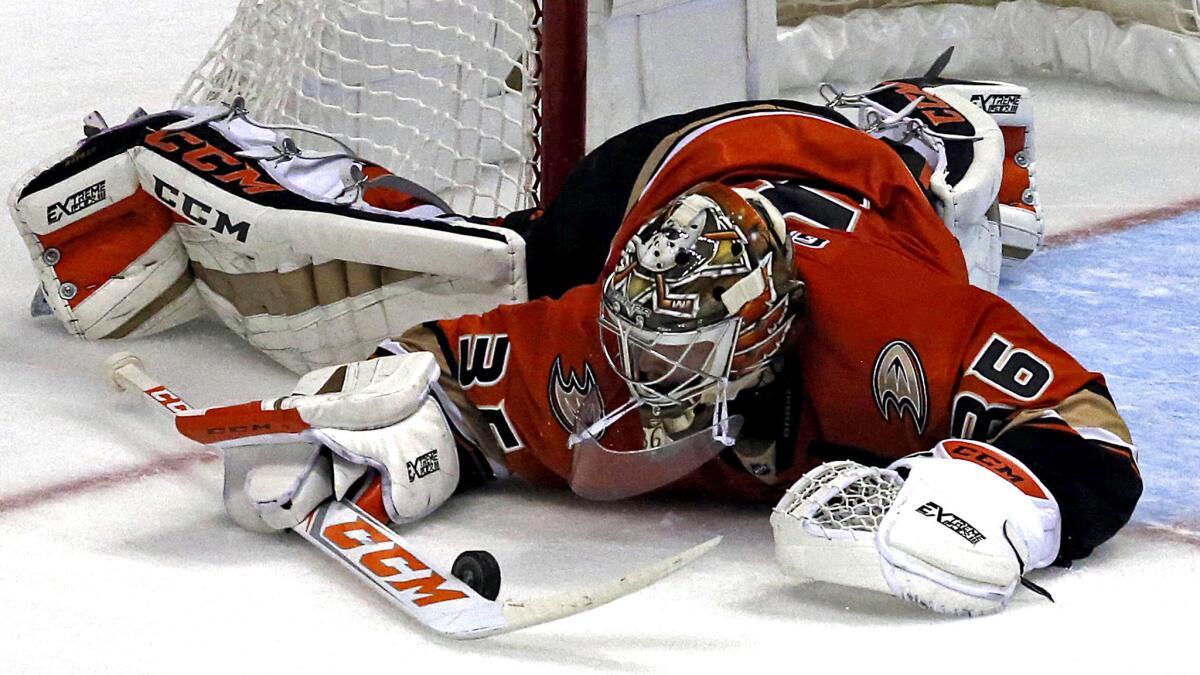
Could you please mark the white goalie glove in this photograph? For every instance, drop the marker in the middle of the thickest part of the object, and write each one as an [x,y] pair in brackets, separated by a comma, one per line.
[955,536]
[371,415]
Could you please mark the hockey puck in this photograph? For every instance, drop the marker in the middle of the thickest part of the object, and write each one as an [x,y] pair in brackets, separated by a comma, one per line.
[480,571]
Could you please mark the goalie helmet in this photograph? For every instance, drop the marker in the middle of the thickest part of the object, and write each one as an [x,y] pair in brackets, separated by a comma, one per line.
[701,300]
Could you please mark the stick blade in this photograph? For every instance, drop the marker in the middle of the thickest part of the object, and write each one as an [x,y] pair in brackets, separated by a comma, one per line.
[530,612]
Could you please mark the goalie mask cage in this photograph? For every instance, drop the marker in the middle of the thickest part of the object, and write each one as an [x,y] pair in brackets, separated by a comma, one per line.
[485,101]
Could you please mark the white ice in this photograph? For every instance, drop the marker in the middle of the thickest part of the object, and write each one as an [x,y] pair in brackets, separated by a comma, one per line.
[149,576]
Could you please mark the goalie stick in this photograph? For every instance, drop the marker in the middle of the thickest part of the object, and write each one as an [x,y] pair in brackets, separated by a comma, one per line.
[381,557]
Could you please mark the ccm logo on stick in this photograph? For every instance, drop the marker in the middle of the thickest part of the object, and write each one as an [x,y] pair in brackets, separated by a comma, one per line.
[359,533]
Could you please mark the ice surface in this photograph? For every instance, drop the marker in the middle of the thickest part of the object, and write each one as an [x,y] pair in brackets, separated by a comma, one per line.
[1128,305]
[116,557]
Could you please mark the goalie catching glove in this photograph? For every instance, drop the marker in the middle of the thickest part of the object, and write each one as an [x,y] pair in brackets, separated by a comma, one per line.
[956,535]
[371,415]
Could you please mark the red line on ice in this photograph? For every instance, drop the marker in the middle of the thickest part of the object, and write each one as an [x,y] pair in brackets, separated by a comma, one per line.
[101,481]
[1122,223]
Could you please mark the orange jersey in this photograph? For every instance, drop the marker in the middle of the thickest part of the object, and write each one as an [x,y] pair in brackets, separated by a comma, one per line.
[893,351]
[893,358]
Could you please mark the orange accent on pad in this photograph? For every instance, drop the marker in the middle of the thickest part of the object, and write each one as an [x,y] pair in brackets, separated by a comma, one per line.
[932,108]
[385,197]
[1016,179]
[997,462]
[239,421]
[96,248]
[248,180]
[246,177]
[926,176]
[196,158]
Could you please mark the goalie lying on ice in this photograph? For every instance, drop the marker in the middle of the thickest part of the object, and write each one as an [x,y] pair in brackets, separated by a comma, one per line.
[756,301]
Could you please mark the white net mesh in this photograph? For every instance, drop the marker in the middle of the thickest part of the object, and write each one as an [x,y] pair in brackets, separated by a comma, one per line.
[447,92]
[843,497]
[439,91]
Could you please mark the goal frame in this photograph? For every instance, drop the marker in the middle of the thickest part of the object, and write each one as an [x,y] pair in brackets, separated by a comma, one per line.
[561,113]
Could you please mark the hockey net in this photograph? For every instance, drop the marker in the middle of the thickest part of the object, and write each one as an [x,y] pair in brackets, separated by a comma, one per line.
[482,100]
[447,93]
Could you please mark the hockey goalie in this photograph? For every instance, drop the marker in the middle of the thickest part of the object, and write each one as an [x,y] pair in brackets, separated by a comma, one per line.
[759,301]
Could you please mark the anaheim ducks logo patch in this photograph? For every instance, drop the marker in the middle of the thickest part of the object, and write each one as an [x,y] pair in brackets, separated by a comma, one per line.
[568,391]
[899,383]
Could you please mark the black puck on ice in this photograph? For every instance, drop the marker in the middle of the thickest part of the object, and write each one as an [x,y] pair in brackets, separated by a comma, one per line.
[480,571]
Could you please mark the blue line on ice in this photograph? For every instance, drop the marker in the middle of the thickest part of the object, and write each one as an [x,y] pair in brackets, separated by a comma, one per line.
[1128,305]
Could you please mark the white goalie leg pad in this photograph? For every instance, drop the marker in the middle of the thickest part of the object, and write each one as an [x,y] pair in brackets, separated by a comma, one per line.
[966,206]
[313,285]
[1010,106]
[108,262]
